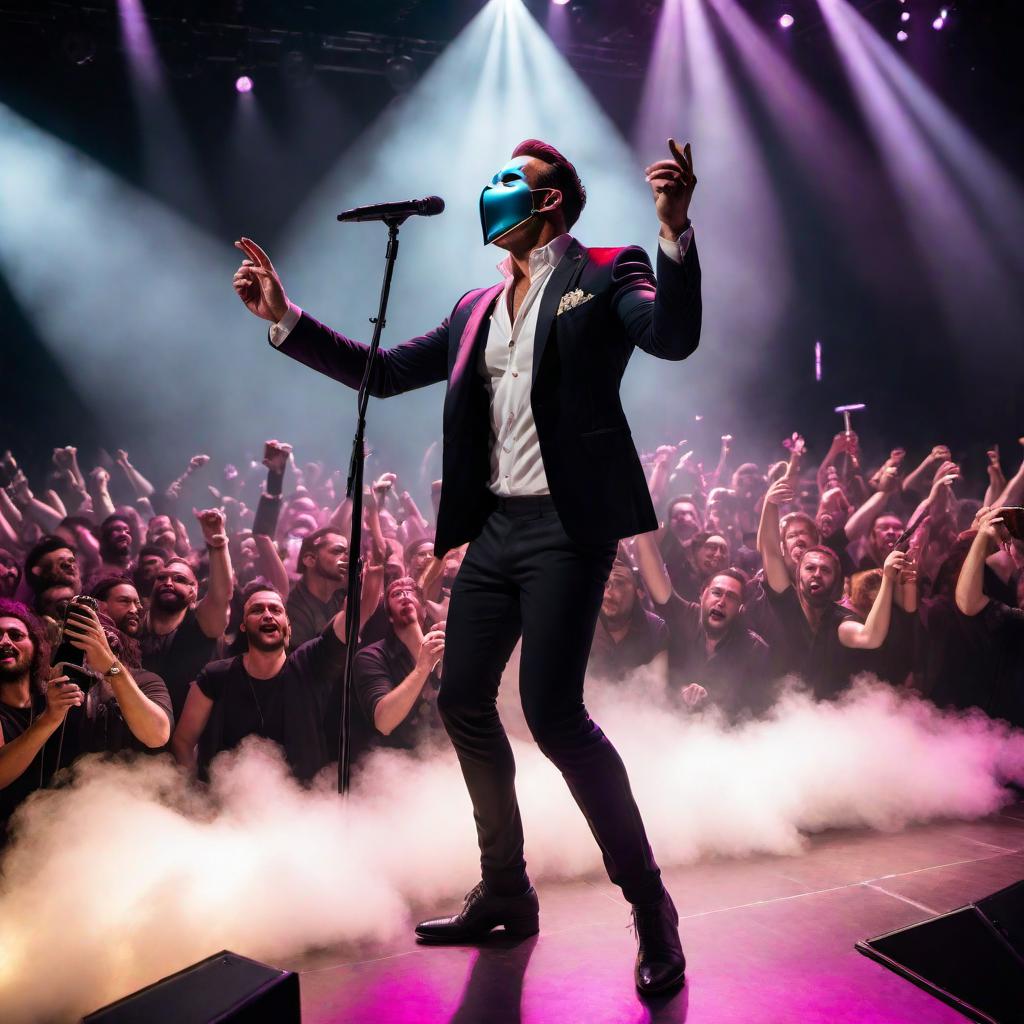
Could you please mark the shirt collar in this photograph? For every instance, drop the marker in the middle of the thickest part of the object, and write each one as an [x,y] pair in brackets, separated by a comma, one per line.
[549,255]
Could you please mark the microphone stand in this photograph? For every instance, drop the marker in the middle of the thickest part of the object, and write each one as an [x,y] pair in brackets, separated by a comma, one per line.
[354,490]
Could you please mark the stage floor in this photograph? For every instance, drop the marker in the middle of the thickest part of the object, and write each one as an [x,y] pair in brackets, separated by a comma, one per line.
[767,940]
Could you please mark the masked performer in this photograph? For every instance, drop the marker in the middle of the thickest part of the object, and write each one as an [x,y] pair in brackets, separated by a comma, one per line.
[541,477]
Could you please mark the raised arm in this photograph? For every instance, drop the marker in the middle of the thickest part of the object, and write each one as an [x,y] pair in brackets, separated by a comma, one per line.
[214,610]
[663,316]
[919,478]
[412,364]
[861,519]
[99,491]
[194,716]
[970,594]
[30,507]
[660,469]
[938,498]
[140,485]
[871,634]
[393,708]
[416,526]
[769,541]
[723,459]
[1013,493]
[147,721]
[652,568]
[268,510]
[16,756]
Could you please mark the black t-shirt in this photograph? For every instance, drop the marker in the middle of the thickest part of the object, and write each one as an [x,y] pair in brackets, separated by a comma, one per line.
[679,565]
[816,655]
[287,708]
[378,669]
[308,615]
[1005,627]
[955,658]
[646,638]
[737,674]
[894,660]
[178,657]
[14,722]
[101,724]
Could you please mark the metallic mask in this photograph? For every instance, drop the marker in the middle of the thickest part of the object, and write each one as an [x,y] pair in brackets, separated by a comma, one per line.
[506,202]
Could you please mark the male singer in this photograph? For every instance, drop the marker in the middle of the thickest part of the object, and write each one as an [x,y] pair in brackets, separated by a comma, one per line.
[542,478]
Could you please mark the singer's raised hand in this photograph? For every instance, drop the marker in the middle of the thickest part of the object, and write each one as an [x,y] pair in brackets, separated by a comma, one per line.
[257,284]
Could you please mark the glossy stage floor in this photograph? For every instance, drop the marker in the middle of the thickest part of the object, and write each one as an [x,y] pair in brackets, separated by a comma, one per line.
[767,940]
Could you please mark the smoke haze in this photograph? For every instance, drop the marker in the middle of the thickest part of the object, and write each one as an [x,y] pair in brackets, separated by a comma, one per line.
[127,874]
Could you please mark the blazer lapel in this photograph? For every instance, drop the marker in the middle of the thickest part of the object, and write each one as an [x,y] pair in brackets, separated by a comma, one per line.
[472,334]
[561,279]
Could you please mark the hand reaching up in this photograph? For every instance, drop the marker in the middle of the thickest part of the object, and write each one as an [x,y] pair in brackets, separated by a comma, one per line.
[256,283]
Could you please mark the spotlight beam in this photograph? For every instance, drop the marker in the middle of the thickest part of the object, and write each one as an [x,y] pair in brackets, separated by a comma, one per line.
[974,286]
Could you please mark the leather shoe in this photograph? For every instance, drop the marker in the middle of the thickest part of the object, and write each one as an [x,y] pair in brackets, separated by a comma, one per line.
[660,964]
[481,914]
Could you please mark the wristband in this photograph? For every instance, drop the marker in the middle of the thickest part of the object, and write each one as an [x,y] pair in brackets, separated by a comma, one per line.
[275,482]
[216,543]
[267,512]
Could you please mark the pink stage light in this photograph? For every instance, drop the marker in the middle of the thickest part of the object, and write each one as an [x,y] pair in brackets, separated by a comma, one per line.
[902,36]
[938,23]
[559,3]
[243,84]
[786,21]
[905,16]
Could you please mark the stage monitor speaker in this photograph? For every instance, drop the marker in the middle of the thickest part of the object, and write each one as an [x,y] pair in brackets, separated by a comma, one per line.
[223,988]
[971,958]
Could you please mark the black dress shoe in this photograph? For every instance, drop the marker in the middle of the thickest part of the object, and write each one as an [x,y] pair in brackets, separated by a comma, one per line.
[660,964]
[481,914]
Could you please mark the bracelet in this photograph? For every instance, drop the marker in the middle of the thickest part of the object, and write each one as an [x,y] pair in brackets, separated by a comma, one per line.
[222,543]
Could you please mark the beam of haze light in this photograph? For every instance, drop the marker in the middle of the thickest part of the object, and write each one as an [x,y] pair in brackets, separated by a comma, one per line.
[984,184]
[499,82]
[143,59]
[834,170]
[170,165]
[688,95]
[122,288]
[559,23]
[970,281]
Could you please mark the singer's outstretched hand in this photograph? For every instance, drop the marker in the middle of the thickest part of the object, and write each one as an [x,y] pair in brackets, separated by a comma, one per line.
[257,284]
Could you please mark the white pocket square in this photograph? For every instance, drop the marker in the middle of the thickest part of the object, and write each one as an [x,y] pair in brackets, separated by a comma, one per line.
[570,300]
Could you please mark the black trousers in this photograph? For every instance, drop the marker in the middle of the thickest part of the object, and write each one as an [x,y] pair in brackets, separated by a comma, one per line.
[523,575]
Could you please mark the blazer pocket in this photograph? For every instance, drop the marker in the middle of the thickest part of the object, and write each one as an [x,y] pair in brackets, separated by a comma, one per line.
[576,313]
[607,439]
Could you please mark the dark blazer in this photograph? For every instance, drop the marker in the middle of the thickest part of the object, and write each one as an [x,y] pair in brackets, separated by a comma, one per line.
[594,476]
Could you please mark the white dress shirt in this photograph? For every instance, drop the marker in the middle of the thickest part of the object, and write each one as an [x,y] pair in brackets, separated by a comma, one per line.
[506,364]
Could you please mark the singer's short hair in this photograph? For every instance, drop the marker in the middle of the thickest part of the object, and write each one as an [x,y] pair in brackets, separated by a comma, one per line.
[562,176]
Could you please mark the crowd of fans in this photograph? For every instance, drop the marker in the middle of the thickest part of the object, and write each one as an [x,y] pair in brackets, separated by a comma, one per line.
[756,575]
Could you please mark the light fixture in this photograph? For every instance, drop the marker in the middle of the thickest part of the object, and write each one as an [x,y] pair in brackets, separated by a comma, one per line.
[400,72]
[786,21]
[243,84]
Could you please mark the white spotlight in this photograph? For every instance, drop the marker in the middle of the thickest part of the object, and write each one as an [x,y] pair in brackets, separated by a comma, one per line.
[786,20]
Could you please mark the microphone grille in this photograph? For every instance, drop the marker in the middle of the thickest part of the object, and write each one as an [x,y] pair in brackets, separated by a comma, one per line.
[433,205]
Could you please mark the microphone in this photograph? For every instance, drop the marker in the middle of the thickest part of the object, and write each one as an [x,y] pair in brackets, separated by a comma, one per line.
[429,207]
